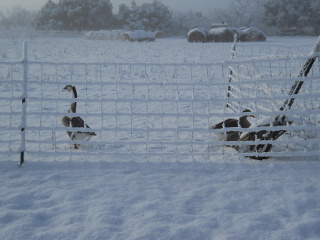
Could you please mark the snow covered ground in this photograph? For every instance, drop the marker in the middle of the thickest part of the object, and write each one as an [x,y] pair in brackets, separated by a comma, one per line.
[230,199]
[260,200]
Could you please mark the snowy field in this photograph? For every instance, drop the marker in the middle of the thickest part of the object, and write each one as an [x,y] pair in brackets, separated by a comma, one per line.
[215,198]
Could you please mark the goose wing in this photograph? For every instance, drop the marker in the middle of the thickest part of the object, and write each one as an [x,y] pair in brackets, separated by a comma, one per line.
[77,122]
[227,123]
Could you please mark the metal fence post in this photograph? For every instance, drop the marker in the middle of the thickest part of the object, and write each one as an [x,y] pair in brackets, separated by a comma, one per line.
[24,96]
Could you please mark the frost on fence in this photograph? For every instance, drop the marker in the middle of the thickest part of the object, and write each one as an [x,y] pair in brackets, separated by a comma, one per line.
[139,112]
[10,117]
[263,84]
[157,112]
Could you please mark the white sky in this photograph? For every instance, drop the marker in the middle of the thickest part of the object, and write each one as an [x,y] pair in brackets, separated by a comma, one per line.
[184,5]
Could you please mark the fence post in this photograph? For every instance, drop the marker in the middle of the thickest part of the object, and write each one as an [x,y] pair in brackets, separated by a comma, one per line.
[24,96]
[233,56]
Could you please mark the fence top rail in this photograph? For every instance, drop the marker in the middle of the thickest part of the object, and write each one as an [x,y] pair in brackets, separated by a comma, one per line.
[143,64]
[175,83]
[172,100]
[277,58]
[274,58]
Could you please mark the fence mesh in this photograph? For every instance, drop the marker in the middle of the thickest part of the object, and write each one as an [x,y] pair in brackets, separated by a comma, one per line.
[263,84]
[157,112]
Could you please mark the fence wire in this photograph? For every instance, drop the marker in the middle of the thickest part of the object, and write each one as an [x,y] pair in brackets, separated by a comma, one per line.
[154,112]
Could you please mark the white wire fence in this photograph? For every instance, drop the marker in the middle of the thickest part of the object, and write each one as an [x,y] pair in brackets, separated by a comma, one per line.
[154,112]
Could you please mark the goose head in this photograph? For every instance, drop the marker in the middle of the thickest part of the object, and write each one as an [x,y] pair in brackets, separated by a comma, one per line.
[71,89]
[248,115]
[247,110]
[243,121]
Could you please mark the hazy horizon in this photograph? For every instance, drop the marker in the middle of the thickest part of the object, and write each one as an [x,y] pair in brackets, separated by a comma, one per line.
[184,5]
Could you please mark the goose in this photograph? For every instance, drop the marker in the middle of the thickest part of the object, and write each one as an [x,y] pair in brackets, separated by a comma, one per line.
[262,135]
[75,122]
[243,122]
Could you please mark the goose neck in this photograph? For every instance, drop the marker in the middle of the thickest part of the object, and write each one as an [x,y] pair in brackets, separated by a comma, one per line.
[74,92]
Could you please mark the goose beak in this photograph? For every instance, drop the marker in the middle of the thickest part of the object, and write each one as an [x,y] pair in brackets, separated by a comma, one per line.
[68,87]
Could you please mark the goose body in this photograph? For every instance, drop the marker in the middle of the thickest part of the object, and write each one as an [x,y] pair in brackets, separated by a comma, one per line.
[242,122]
[262,135]
[76,122]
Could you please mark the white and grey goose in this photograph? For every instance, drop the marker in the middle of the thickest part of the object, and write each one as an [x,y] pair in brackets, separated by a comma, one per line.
[75,122]
[233,135]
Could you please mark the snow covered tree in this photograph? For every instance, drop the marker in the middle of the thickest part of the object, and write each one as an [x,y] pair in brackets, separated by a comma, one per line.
[149,16]
[133,4]
[76,15]
[17,17]
[123,16]
[86,14]
[294,14]
[49,17]
[184,21]
[241,13]
[315,19]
